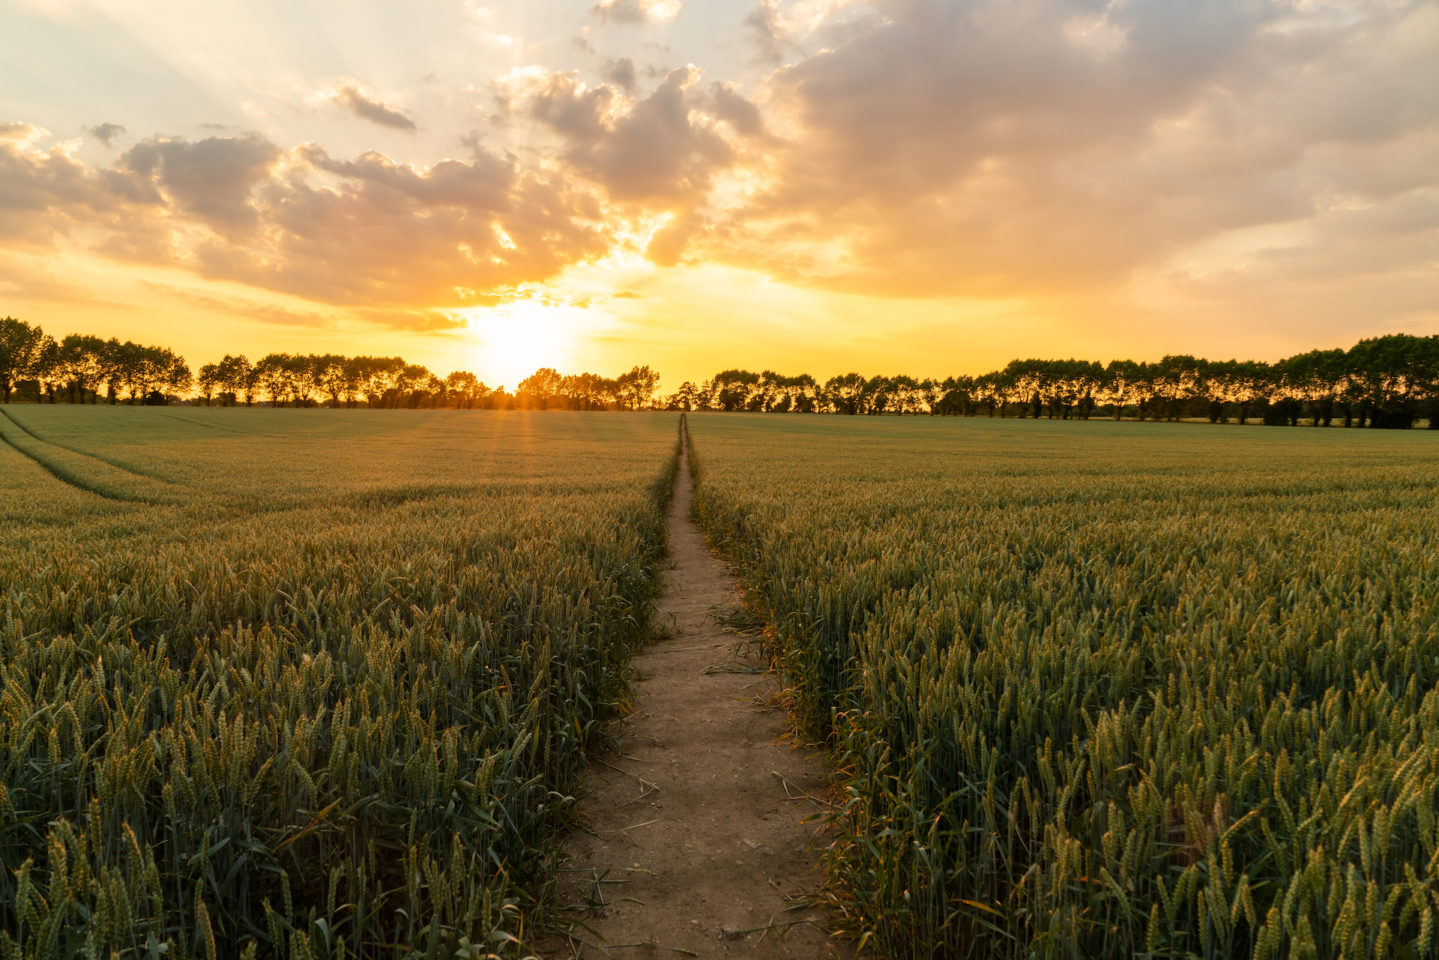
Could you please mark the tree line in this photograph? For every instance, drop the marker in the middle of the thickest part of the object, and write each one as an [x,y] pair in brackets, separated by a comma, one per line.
[1388,381]
[80,366]
[87,369]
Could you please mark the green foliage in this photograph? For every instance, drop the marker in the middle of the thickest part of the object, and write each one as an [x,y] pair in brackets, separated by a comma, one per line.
[1105,690]
[330,696]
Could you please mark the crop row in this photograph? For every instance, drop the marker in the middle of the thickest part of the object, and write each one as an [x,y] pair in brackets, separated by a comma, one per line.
[1096,697]
[316,708]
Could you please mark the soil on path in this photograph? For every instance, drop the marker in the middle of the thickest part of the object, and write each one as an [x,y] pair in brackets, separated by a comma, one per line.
[691,842]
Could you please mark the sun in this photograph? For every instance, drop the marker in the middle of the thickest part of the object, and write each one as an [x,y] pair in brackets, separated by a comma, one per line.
[517,338]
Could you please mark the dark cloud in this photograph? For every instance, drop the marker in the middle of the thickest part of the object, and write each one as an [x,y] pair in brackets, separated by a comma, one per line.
[210,179]
[106,132]
[660,152]
[762,26]
[372,110]
[621,73]
[732,107]
[571,109]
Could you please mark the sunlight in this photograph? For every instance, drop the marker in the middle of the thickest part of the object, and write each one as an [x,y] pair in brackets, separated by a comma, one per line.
[517,338]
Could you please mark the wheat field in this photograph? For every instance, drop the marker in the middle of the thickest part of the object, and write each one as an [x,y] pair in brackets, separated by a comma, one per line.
[314,684]
[1103,690]
[305,685]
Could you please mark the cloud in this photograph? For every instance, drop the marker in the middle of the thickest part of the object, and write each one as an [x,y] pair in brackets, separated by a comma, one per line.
[666,248]
[621,73]
[1052,150]
[45,193]
[243,307]
[372,110]
[729,105]
[764,27]
[106,132]
[211,179]
[400,243]
[660,152]
[448,235]
[635,11]
[996,149]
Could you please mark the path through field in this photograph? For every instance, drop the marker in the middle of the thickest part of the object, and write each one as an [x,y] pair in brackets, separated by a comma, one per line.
[691,838]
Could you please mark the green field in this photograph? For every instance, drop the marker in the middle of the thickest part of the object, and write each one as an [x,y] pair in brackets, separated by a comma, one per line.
[314,683]
[306,683]
[1105,689]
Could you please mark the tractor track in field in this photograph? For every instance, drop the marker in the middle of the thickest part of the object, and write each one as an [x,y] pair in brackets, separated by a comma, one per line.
[109,462]
[208,426]
[692,841]
[56,470]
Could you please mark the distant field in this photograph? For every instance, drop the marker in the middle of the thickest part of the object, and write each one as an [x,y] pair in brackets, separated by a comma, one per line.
[305,683]
[1106,689]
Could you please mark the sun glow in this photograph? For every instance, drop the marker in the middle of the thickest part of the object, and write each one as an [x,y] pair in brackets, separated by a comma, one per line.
[517,338]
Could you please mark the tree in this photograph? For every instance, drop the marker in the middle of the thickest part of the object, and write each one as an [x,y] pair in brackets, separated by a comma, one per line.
[1119,386]
[685,398]
[843,393]
[1391,375]
[956,397]
[332,378]
[540,389]
[465,389]
[21,347]
[46,368]
[410,381]
[81,364]
[304,375]
[273,377]
[208,380]
[1177,379]
[803,392]
[236,379]
[1086,378]
[732,389]
[1314,379]
[636,389]
[1253,382]
[589,391]
[177,377]
[373,377]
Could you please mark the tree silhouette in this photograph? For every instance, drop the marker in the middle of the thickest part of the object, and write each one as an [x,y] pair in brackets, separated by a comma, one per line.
[21,350]
[1387,381]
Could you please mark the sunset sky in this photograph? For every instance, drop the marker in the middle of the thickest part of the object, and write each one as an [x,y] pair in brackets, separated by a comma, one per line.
[805,185]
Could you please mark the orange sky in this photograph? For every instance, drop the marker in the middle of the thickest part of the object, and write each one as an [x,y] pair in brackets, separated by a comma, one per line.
[918,186]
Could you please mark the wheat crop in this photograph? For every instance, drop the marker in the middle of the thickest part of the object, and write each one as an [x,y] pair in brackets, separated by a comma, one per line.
[1101,695]
[328,695]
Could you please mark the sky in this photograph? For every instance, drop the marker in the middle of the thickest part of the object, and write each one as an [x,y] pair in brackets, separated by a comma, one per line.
[903,186]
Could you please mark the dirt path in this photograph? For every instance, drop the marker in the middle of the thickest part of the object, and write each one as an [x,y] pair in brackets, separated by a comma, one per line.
[692,844]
